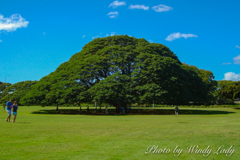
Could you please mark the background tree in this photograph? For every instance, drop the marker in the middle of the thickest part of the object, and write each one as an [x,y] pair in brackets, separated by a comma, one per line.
[223,83]
[228,92]
[17,91]
[204,87]
[2,87]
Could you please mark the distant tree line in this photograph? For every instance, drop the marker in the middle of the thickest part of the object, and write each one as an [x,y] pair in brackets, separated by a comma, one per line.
[227,92]
[2,87]
[15,91]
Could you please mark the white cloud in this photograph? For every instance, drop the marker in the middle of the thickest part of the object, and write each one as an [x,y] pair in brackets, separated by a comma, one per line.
[44,33]
[232,76]
[226,63]
[83,36]
[107,35]
[0,40]
[161,8]
[117,3]
[12,23]
[236,59]
[237,46]
[137,6]
[113,14]
[178,35]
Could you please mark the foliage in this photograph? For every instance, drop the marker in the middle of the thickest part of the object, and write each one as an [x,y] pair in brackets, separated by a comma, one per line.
[16,91]
[120,70]
[3,86]
[115,90]
[229,91]
[208,87]
[223,83]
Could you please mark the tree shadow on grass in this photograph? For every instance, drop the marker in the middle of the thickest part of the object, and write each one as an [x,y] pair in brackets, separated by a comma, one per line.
[132,112]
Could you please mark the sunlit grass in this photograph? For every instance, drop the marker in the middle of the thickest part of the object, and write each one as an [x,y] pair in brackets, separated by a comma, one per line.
[45,136]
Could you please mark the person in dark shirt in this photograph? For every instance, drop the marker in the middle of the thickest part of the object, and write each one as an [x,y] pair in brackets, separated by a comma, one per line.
[176,111]
[14,109]
[8,109]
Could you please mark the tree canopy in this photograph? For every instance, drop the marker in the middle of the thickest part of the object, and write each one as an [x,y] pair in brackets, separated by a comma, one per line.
[16,91]
[2,87]
[120,70]
[228,90]
[223,83]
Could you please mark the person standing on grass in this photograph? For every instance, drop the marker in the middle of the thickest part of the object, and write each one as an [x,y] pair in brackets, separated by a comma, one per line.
[9,108]
[176,111]
[14,109]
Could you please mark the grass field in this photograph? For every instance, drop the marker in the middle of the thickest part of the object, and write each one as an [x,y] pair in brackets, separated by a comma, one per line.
[64,136]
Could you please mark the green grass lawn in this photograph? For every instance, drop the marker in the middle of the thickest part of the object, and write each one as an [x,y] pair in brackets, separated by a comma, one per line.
[64,136]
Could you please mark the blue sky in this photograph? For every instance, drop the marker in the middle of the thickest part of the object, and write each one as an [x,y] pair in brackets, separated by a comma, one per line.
[37,36]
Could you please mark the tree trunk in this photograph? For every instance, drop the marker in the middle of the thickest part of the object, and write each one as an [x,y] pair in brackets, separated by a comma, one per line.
[80,109]
[153,103]
[57,108]
[119,109]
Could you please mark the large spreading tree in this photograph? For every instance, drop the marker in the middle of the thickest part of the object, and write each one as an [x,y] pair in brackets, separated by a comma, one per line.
[121,70]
